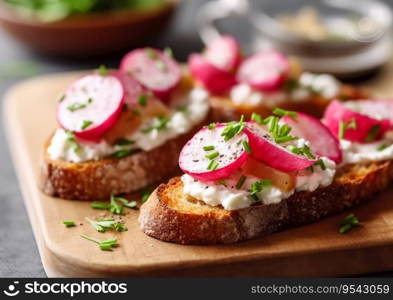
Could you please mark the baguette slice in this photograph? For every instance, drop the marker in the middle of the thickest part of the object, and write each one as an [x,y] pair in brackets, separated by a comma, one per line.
[224,110]
[97,180]
[171,216]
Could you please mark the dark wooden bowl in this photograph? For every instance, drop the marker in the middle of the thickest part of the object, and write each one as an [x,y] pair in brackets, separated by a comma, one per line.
[88,35]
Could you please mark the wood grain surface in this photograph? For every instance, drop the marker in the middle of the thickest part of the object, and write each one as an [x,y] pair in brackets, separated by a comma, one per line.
[311,250]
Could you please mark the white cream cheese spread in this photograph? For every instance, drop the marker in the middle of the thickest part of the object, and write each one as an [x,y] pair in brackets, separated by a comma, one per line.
[325,85]
[195,107]
[231,198]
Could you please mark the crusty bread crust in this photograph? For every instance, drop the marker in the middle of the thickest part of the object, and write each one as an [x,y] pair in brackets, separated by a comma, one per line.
[224,110]
[171,216]
[97,180]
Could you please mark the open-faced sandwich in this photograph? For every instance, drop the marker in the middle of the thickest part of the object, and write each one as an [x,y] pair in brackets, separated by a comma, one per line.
[261,82]
[246,179]
[120,130]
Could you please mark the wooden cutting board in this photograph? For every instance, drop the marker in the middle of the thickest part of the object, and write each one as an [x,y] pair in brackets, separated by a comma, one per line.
[311,250]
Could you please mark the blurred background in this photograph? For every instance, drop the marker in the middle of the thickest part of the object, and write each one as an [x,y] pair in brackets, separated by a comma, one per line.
[351,39]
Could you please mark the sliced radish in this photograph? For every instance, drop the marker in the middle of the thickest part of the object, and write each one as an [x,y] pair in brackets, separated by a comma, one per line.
[132,88]
[154,69]
[265,150]
[264,71]
[223,53]
[355,119]
[91,106]
[229,155]
[212,78]
[322,141]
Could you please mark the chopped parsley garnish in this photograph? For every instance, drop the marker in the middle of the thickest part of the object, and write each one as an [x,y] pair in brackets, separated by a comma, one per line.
[258,186]
[241,181]
[145,193]
[382,147]
[151,53]
[105,245]
[69,223]
[348,223]
[208,148]
[212,155]
[123,142]
[284,139]
[161,66]
[168,51]
[212,165]
[154,56]
[100,205]
[61,98]
[125,202]
[86,124]
[131,204]
[162,123]
[142,100]
[247,147]
[90,100]
[122,153]
[115,207]
[341,129]
[282,112]
[373,133]
[344,126]
[222,182]
[76,106]
[71,140]
[103,70]
[233,128]
[107,224]
[182,109]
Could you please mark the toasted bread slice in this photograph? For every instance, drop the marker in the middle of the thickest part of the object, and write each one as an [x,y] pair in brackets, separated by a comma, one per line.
[171,216]
[224,110]
[97,180]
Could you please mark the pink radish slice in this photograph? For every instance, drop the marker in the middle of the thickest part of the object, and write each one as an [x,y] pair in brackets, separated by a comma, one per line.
[274,155]
[91,106]
[338,112]
[264,71]
[223,53]
[231,154]
[132,88]
[154,69]
[213,79]
[322,141]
